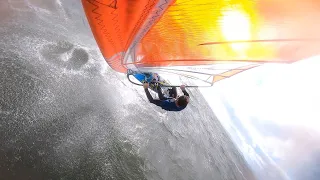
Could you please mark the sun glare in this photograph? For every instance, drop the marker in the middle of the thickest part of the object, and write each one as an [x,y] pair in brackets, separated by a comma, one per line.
[236,26]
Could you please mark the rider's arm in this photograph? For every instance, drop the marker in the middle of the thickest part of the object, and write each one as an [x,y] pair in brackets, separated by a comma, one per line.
[148,95]
[151,100]
[183,89]
[185,93]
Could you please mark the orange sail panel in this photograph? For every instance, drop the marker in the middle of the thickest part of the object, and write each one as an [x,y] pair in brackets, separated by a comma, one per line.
[195,32]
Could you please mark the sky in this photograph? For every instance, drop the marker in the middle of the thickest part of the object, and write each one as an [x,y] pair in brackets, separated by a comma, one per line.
[273,114]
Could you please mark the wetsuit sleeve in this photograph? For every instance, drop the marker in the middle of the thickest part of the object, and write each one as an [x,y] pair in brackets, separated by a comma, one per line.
[185,93]
[151,100]
[161,97]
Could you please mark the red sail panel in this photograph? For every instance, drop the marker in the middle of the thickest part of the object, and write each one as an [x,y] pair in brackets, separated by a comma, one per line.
[114,24]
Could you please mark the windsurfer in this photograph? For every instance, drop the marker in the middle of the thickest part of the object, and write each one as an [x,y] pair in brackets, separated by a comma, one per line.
[174,103]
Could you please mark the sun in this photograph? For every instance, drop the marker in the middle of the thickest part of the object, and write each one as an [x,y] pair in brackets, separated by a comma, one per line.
[235,26]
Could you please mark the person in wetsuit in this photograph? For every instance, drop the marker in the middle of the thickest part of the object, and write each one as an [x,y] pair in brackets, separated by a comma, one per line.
[174,103]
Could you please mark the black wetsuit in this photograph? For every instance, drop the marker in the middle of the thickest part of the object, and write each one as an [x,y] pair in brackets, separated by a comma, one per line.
[166,103]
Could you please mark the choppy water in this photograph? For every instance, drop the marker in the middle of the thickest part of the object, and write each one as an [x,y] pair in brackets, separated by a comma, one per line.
[66,115]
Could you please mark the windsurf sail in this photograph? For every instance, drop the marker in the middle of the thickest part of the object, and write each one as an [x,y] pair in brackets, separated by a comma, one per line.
[203,41]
